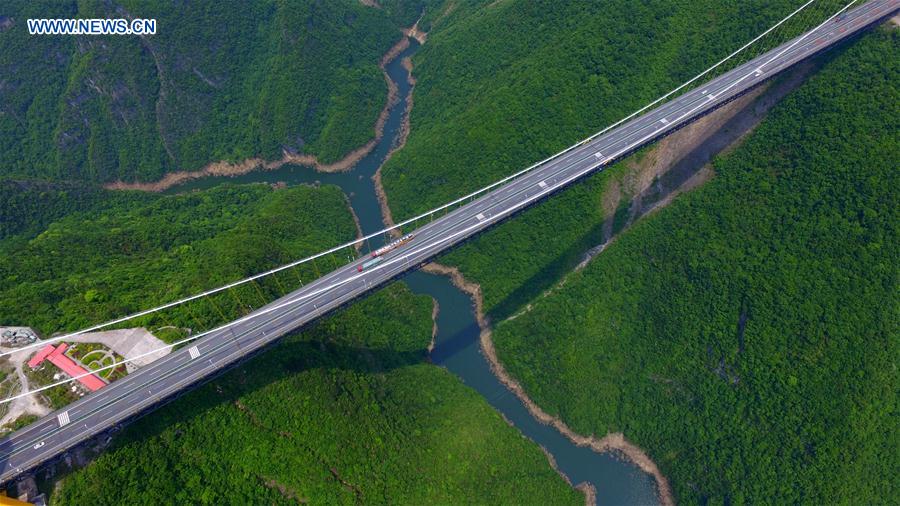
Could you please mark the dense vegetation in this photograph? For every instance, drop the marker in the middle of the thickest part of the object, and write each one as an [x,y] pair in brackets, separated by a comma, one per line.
[27,207]
[218,81]
[505,85]
[746,336]
[346,413]
[501,85]
[130,251]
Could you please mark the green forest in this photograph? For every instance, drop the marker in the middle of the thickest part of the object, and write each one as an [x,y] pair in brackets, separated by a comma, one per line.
[127,251]
[346,411]
[218,81]
[746,335]
[516,262]
[502,85]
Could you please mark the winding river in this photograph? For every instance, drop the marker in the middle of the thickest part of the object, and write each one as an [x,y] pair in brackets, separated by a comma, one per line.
[457,342]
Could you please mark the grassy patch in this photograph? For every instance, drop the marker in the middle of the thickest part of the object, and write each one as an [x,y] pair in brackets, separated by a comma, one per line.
[20,422]
[95,356]
[9,385]
[58,396]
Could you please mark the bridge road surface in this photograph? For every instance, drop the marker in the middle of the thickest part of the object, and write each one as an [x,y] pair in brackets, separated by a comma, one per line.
[55,433]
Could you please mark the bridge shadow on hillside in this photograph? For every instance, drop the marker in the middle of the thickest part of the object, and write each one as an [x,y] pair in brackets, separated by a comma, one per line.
[547,275]
[284,359]
[674,179]
[277,362]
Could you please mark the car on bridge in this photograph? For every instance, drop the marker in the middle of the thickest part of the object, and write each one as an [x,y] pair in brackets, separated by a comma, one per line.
[393,245]
[366,265]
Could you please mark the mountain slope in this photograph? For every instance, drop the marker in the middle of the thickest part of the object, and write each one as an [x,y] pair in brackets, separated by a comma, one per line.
[218,81]
[746,335]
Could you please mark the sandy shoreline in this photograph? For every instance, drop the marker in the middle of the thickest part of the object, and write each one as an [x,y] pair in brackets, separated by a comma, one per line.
[611,442]
[386,216]
[590,493]
[232,169]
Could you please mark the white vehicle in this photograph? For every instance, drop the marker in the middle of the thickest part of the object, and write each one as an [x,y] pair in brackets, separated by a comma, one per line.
[396,244]
[39,445]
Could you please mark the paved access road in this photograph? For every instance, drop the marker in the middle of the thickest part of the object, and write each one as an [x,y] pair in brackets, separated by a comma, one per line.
[141,390]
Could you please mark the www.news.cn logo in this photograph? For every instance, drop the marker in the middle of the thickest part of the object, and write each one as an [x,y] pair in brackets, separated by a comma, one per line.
[92,27]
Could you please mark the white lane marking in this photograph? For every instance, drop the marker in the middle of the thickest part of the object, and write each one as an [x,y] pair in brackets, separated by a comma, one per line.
[194,352]
[479,216]
[542,184]
[598,155]
[527,193]
[63,418]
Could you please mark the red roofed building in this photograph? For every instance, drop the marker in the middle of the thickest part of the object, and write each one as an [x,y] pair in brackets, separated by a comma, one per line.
[57,357]
[40,356]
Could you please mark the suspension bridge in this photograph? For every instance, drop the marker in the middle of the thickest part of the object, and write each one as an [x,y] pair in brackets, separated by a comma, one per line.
[201,356]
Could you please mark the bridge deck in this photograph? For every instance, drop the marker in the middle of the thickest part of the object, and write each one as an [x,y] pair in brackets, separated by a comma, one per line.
[147,387]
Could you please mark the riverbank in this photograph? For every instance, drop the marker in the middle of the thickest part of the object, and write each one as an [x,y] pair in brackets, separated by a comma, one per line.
[611,442]
[402,135]
[676,164]
[631,451]
[586,488]
[233,169]
[359,231]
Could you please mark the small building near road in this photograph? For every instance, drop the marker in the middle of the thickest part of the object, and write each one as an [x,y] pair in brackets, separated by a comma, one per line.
[56,356]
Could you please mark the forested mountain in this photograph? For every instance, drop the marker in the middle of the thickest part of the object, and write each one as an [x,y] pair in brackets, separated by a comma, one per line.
[218,81]
[119,252]
[504,84]
[744,338]
[746,335]
[501,85]
[346,411]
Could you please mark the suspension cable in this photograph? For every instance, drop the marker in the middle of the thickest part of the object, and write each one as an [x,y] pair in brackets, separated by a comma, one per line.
[423,215]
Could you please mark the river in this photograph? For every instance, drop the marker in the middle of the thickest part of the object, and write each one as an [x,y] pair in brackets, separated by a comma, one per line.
[457,345]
